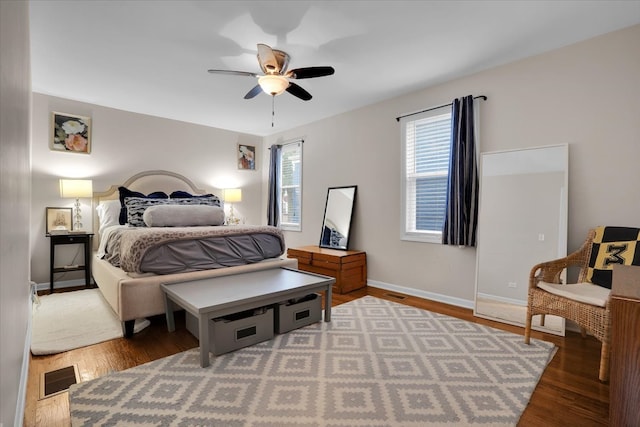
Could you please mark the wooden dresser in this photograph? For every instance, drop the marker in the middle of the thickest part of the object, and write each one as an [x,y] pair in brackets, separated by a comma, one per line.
[349,268]
[624,383]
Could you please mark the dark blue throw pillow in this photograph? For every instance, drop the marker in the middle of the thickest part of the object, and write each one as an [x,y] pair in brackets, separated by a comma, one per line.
[125,192]
[184,195]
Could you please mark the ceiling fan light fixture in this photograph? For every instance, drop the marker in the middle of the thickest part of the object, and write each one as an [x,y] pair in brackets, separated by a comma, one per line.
[273,84]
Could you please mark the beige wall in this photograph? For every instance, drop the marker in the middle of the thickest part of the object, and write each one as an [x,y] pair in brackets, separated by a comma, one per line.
[15,307]
[124,144]
[586,95]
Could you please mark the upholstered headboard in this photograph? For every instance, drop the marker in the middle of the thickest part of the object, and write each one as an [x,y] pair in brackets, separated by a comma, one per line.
[145,182]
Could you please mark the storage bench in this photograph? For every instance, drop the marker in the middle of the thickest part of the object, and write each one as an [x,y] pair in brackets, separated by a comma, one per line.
[213,298]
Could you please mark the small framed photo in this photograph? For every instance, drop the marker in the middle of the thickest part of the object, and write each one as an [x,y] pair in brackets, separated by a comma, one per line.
[246,157]
[70,133]
[59,220]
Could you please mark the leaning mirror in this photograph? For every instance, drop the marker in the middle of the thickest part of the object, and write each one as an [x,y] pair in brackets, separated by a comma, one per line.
[522,221]
[338,213]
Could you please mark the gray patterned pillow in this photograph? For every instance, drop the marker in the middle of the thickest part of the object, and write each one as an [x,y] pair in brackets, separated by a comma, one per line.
[183,216]
[137,205]
[201,200]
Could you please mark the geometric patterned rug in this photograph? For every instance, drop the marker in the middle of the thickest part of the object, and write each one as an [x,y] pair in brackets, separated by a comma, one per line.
[377,363]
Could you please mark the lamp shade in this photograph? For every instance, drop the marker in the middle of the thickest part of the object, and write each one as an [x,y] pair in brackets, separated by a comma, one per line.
[273,84]
[232,195]
[76,188]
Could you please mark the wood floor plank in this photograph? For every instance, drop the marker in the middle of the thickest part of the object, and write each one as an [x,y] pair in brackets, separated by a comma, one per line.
[568,394]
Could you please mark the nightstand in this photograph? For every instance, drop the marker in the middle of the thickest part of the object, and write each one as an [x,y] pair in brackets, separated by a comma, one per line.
[84,239]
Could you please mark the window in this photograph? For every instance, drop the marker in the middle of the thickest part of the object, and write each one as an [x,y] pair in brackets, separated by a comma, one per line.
[291,186]
[426,141]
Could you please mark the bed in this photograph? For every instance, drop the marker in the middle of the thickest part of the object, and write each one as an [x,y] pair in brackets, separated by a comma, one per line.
[134,292]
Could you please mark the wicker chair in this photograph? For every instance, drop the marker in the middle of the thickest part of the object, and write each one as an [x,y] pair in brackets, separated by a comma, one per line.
[584,303]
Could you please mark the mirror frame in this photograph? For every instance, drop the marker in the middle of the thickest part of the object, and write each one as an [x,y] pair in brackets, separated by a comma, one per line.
[348,214]
[501,290]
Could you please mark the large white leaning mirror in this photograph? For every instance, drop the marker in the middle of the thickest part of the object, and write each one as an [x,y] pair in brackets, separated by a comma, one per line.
[338,212]
[522,221]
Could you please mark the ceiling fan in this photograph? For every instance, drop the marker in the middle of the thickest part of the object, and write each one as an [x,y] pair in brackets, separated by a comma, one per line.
[276,79]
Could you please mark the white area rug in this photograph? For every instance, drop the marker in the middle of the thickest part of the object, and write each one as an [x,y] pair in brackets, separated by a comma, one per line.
[376,364]
[68,320]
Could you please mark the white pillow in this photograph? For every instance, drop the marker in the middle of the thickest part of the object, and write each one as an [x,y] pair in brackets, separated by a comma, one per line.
[183,215]
[108,214]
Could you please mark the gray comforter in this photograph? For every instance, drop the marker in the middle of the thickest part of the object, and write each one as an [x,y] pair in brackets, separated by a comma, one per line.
[167,250]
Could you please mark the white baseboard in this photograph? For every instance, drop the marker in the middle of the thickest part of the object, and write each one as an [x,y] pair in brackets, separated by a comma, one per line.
[24,369]
[458,302]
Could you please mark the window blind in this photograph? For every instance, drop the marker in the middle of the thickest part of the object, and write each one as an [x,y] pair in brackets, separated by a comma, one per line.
[427,148]
[291,186]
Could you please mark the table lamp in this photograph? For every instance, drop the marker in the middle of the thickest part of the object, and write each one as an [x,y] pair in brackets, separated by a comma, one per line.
[232,195]
[76,189]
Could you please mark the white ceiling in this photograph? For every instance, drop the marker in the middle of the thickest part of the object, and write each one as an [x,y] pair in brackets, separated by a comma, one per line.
[152,57]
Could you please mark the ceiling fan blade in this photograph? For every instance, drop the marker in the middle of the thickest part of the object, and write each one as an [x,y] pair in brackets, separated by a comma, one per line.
[296,90]
[267,59]
[253,92]
[310,72]
[283,60]
[233,73]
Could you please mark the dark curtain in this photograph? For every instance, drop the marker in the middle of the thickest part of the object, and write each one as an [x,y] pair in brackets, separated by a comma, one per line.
[461,215]
[273,206]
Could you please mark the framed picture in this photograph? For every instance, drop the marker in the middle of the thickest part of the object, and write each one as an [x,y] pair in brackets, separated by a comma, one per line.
[70,133]
[59,220]
[246,157]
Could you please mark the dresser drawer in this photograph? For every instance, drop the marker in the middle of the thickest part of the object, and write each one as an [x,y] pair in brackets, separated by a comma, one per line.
[317,270]
[331,265]
[349,268]
[303,257]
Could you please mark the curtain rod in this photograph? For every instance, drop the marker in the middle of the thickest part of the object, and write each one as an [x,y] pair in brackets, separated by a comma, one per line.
[484,98]
[301,141]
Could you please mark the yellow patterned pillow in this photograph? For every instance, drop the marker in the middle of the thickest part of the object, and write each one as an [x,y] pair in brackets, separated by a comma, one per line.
[612,245]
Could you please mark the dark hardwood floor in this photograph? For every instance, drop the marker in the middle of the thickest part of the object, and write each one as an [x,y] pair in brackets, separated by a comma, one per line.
[568,394]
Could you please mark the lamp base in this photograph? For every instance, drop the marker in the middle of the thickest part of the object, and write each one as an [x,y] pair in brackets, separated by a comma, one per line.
[77,224]
[231,219]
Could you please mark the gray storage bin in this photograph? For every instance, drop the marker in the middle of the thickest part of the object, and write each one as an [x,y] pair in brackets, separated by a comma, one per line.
[237,331]
[293,315]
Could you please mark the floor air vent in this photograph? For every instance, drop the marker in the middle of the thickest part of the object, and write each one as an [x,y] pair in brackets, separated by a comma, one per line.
[54,382]
[396,296]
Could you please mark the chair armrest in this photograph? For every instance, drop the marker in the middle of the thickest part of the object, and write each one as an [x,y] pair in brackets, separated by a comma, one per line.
[550,271]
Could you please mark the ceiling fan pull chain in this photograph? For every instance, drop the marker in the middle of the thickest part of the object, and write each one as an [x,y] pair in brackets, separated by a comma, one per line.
[273,108]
